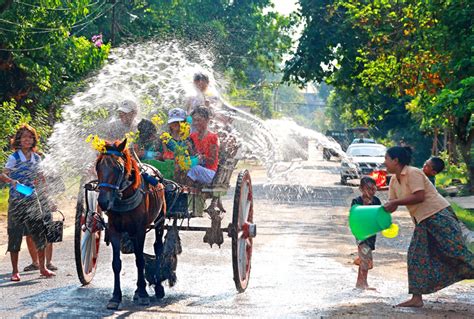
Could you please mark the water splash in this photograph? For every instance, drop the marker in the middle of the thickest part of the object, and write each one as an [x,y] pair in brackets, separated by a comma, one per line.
[158,76]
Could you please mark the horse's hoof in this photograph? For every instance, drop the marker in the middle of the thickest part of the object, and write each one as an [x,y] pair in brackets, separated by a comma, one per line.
[159,292]
[135,296]
[113,305]
[143,301]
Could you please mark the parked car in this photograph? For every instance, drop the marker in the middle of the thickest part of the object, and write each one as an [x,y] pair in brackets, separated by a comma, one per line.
[364,159]
[363,140]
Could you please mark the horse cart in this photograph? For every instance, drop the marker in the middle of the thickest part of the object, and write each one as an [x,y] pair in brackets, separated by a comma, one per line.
[92,223]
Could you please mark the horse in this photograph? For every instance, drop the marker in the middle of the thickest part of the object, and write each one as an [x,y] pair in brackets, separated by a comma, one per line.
[131,205]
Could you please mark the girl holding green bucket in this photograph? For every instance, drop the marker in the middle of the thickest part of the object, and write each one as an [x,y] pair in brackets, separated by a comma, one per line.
[360,216]
[437,256]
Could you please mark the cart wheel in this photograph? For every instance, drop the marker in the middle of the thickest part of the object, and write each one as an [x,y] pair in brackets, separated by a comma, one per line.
[86,239]
[242,230]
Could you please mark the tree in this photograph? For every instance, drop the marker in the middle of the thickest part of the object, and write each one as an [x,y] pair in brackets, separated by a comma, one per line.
[418,52]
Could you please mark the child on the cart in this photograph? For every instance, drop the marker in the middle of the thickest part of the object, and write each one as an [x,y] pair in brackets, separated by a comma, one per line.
[206,147]
[148,144]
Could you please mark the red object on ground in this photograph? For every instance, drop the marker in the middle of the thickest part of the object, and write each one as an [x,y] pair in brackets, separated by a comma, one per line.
[15,277]
[380,178]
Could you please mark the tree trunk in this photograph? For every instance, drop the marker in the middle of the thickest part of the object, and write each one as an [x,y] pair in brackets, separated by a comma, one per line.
[453,158]
[5,5]
[465,139]
[434,148]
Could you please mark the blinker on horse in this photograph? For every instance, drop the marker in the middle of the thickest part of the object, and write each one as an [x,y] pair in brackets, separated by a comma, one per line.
[131,206]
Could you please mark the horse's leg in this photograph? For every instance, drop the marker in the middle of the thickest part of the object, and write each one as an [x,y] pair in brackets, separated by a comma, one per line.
[140,294]
[158,247]
[114,303]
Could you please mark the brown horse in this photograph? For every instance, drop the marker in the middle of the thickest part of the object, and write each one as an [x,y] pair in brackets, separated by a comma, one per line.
[131,206]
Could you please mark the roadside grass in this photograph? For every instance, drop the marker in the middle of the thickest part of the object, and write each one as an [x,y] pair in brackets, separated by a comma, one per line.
[3,202]
[464,215]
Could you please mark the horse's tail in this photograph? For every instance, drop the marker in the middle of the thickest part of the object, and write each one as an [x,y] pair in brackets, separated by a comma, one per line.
[155,201]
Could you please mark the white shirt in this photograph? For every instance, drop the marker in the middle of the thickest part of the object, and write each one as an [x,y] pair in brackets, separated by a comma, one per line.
[12,160]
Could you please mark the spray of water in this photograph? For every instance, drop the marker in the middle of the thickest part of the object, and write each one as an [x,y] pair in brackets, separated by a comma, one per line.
[159,76]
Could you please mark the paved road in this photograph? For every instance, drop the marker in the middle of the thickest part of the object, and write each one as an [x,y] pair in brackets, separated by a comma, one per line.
[301,267]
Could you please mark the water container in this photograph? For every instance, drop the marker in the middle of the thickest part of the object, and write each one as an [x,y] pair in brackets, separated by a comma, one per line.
[367,220]
[166,167]
[23,189]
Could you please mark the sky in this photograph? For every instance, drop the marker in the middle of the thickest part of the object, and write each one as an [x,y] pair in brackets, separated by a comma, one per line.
[285,6]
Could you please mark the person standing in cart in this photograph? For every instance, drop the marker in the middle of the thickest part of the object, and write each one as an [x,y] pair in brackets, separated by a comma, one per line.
[24,213]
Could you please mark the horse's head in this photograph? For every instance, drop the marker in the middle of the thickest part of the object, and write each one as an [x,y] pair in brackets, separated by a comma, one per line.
[114,168]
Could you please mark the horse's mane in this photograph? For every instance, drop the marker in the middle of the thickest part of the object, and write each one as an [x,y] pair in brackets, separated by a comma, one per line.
[129,163]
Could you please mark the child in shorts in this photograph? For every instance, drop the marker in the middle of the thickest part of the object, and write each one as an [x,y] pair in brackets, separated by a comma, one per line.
[365,247]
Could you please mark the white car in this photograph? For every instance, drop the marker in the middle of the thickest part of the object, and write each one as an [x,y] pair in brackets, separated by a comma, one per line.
[362,159]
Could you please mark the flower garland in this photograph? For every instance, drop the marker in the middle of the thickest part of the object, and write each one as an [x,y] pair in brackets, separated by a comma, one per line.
[181,152]
[97,143]
[157,120]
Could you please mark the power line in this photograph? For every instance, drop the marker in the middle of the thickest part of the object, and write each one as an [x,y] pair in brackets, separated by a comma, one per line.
[47,30]
[51,9]
[52,44]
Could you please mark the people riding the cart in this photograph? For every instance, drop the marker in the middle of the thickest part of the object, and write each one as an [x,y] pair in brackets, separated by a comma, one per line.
[126,122]
[148,145]
[176,143]
[206,147]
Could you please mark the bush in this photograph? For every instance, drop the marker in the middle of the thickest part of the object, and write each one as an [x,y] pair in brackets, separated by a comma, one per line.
[452,173]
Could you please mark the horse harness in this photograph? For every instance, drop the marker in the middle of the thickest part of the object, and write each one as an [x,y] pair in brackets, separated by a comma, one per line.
[123,205]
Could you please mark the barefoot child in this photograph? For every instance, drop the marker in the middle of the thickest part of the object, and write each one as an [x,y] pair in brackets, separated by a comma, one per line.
[23,212]
[433,166]
[368,188]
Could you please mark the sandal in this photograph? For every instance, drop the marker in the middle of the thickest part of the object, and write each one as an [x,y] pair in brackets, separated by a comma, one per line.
[51,267]
[47,274]
[31,267]
[15,277]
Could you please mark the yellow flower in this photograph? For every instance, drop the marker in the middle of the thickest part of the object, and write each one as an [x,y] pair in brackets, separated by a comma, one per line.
[165,137]
[96,142]
[184,130]
[157,120]
[131,137]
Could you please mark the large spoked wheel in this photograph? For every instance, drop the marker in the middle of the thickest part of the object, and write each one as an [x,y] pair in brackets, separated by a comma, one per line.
[87,235]
[243,230]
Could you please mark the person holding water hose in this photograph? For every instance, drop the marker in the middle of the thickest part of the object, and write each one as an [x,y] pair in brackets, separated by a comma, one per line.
[437,255]
[24,213]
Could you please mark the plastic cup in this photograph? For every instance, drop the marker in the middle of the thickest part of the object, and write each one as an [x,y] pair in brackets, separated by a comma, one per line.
[194,161]
[150,154]
[368,220]
[23,189]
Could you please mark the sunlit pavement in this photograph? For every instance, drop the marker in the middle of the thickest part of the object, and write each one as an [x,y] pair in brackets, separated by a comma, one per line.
[301,267]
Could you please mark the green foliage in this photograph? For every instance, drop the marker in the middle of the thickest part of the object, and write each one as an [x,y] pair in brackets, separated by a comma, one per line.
[451,172]
[9,118]
[415,53]
[464,215]
[3,202]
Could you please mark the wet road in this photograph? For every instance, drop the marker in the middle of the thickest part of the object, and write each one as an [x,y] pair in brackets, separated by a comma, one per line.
[301,267]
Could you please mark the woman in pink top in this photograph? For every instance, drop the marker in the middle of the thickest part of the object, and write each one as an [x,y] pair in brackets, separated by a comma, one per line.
[437,256]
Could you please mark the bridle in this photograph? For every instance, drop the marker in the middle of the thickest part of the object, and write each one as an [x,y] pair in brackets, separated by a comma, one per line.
[122,184]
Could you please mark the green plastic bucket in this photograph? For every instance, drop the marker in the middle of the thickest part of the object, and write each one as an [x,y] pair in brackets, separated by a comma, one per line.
[368,220]
[166,167]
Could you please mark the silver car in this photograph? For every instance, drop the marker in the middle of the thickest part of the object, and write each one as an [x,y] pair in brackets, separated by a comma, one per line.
[362,159]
